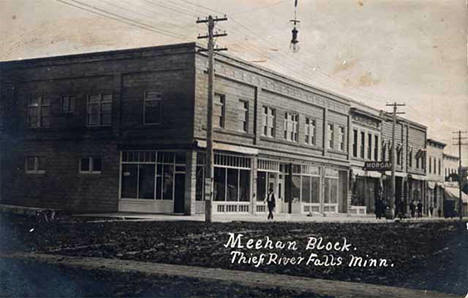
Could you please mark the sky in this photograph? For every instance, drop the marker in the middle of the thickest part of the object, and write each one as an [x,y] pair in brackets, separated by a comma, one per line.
[374,51]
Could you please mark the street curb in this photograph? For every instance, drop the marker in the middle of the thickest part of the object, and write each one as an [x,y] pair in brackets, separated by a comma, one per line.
[246,278]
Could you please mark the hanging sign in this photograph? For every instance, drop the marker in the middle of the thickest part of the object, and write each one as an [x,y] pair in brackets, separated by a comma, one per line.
[377,166]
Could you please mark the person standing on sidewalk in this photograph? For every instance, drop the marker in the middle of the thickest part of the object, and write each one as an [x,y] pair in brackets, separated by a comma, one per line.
[270,200]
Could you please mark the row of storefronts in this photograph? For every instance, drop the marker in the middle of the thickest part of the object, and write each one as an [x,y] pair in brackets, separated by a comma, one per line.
[158,181]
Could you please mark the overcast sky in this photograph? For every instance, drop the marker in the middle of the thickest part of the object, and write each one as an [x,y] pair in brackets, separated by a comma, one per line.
[376,51]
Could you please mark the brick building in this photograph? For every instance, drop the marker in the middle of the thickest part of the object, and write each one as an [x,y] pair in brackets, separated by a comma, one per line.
[435,175]
[125,131]
[366,146]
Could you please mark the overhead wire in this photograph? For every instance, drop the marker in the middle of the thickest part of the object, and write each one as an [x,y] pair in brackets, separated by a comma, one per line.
[118,18]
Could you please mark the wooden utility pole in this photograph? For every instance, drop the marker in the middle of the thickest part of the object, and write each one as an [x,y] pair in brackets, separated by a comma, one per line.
[460,178]
[209,161]
[393,192]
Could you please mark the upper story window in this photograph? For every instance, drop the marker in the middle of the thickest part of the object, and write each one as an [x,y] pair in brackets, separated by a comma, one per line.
[331,136]
[269,119]
[219,110]
[290,126]
[369,146]
[398,154]
[376,148]
[384,152]
[152,107]
[38,112]
[244,115]
[68,104]
[310,131]
[35,164]
[90,165]
[410,158]
[355,141]
[341,138]
[439,167]
[430,164]
[362,146]
[100,110]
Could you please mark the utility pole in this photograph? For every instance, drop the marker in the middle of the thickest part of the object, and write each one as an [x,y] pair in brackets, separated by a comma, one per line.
[460,178]
[209,161]
[393,192]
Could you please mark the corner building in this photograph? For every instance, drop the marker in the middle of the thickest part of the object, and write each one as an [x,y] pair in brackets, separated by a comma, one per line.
[126,131]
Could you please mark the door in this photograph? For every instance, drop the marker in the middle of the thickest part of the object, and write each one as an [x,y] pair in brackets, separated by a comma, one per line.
[179,195]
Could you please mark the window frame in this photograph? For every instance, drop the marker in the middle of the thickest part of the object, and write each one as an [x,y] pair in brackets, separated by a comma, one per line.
[331,136]
[71,104]
[42,103]
[146,100]
[100,103]
[36,168]
[244,108]
[221,123]
[341,138]
[91,170]
[310,131]
[269,122]
[291,126]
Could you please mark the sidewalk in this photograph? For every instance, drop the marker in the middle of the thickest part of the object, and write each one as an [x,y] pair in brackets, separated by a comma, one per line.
[282,217]
[245,278]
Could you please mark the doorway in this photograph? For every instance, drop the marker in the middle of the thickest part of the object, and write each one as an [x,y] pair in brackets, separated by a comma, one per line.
[179,193]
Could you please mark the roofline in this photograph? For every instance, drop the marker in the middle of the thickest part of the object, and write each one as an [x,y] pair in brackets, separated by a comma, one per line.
[450,156]
[98,53]
[436,142]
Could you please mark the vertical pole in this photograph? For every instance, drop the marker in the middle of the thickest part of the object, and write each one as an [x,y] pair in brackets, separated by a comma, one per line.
[460,209]
[290,173]
[392,195]
[209,125]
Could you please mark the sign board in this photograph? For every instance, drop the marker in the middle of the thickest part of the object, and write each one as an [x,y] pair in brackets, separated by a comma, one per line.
[377,166]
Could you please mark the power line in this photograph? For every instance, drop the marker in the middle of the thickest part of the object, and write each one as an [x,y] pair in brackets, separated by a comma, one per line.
[119,18]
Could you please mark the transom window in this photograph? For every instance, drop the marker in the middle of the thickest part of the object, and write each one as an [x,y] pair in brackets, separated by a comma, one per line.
[90,165]
[290,126]
[152,108]
[269,119]
[100,110]
[38,112]
[35,164]
[310,131]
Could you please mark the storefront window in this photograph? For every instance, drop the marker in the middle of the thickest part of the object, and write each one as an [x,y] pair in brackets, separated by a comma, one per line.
[315,191]
[296,187]
[219,184]
[143,172]
[232,184]
[331,191]
[200,178]
[306,189]
[244,185]
[261,186]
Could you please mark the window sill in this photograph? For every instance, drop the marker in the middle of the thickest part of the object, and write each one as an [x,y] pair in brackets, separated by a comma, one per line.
[36,172]
[90,173]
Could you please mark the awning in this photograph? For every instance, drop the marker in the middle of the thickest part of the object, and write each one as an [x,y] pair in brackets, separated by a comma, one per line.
[453,193]
[397,174]
[227,147]
[417,177]
[362,173]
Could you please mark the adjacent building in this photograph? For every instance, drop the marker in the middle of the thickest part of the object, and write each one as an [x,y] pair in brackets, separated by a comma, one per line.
[435,176]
